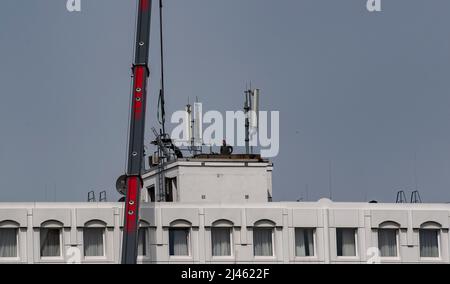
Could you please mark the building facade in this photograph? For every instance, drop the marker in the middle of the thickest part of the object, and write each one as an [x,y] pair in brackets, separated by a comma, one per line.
[219,211]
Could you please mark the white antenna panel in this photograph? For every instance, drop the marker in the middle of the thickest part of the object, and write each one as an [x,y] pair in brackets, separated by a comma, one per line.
[254,112]
[198,124]
[188,119]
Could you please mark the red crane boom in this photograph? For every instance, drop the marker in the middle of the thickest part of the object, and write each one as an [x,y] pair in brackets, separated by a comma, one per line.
[133,179]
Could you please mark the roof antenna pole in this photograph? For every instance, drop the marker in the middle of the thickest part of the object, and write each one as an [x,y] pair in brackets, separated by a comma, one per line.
[247,121]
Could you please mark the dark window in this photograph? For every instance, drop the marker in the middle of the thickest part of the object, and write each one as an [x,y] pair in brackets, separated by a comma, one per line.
[304,242]
[151,193]
[8,242]
[50,242]
[179,241]
[262,241]
[171,186]
[93,241]
[142,242]
[346,242]
[221,241]
[429,243]
[387,242]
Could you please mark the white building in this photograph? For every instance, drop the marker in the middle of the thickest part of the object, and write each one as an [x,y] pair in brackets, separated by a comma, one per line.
[220,212]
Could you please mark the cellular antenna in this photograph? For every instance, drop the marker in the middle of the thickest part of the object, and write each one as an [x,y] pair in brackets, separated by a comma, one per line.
[254,118]
[198,124]
[189,124]
[251,110]
[247,120]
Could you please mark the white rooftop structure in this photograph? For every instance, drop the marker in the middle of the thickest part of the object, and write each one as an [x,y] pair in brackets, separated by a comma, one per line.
[213,178]
[218,210]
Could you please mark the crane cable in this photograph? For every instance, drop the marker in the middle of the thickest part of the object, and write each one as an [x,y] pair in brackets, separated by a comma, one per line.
[161,113]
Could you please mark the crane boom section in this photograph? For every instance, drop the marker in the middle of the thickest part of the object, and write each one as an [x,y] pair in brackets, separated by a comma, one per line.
[135,156]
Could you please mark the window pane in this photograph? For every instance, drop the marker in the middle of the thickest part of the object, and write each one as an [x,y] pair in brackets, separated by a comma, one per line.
[93,241]
[50,242]
[387,242]
[345,239]
[142,244]
[429,246]
[221,244]
[262,241]
[151,193]
[8,242]
[179,241]
[304,242]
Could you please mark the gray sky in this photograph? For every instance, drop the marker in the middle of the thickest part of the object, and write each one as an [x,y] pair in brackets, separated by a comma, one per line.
[368,92]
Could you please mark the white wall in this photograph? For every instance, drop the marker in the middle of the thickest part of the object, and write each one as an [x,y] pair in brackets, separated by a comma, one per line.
[219,181]
[323,216]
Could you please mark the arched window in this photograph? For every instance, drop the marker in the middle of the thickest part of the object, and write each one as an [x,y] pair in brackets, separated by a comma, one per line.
[429,238]
[263,235]
[52,224]
[9,238]
[264,223]
[9,224]
[94,238]
[223,223]
[180,223]
[389,225]
[179,238]
[431,226]
[221,238]
[388,235]
[50,237]
[95,224]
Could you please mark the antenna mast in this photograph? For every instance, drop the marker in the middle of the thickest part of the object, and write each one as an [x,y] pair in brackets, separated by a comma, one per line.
[251,110]
[247,121]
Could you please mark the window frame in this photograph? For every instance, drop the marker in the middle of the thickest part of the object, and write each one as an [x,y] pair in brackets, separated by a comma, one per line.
[439,244]
[188,242]
[231,239]
[11,226]
[151,196]
[61,232]
[314,256]
[347,257]
[146,228]
[262,257]
[96,257]
[397,242]
[171,189]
